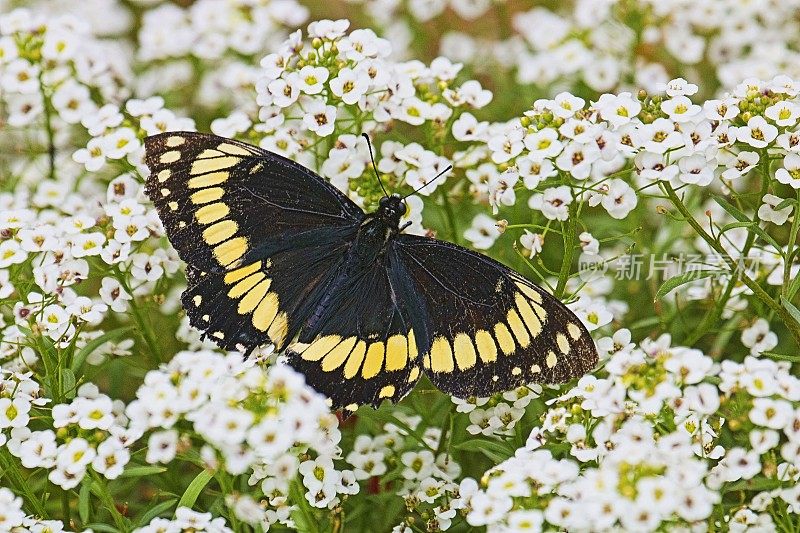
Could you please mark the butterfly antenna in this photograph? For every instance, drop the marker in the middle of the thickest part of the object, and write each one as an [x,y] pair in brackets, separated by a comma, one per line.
[439,175]
[374,166]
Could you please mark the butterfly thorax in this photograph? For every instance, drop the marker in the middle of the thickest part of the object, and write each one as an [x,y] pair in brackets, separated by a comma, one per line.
[375,233]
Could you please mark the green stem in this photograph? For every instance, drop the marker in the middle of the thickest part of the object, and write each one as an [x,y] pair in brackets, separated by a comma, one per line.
[101,491]
[569,251]
[790,248]
[790,323]
[147,333]
[451,217]
[48,124]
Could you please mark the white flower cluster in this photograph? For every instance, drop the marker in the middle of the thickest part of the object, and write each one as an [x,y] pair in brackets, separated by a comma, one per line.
[648,445]
[171,40]
[186,521]
[306,88]
[90,431]
[608,44]
[247,420]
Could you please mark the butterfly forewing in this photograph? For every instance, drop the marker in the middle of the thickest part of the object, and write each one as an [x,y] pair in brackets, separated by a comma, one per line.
[490,330]
[258,231]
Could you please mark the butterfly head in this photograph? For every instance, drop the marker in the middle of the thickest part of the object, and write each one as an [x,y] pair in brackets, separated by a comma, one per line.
[391,209]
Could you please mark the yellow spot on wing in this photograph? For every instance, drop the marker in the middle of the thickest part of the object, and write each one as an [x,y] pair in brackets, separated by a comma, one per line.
[551,360]
[530,292]
[207,195]
[464,351]
[252,298]
[230,251]
[245,285]
[266,311]
[441,355]
[175,140]
[278,330]
[563,343]
[373,361]
[211,213]
[528,316]
[412,346]
[574,331]
[209,153]
[320,347]
[386,392]
[487,350]
[413,375]
[202,166]
[229,148]
[355,359]
[337,356]
[504,338]
[396,352]
[220,231]
[240,273]
[197,300]
[207,180]
[164,175]
[170,157]
[518,328]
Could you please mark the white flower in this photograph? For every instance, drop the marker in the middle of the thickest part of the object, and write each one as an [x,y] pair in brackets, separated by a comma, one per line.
[483,232]
[553,203]
[467,128]
[678,87]
[619,109]
[769,213]
[784,113]
[162,446]
[680,109]
[320,118]
[507,144]
[542,144]
[532,242]
[350,85]
[311,80]
[758,133]
[789,174]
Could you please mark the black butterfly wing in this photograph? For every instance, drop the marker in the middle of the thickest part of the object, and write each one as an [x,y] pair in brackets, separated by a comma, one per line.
[359,346]
[224,202]
[260,233]
[490,329]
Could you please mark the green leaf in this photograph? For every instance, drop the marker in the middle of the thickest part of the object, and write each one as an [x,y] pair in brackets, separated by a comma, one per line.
[102,527]
[156,510]
[730,208]
[682,279]
[195,488]
[68,382]
[496,451]
[83,499]
[303,515]
[785,203]
[757,483]
[141,471]
[794,311]
[782,356]
[80,357]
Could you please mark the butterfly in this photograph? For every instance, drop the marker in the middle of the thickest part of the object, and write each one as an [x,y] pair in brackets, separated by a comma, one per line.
[276,254]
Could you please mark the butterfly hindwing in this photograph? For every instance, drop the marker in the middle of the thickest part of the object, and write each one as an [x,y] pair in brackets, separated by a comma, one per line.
[263,301]
[224,203]
[490,329]
[359,347]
